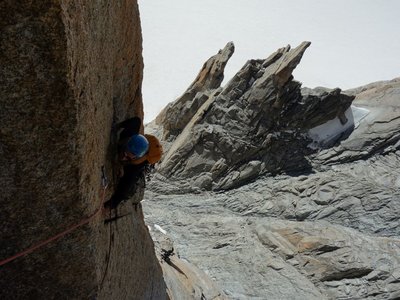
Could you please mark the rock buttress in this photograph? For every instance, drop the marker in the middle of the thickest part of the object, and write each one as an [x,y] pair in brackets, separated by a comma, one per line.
[256,124]
[68,69]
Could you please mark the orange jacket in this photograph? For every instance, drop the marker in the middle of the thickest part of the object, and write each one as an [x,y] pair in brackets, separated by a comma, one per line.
[153,155]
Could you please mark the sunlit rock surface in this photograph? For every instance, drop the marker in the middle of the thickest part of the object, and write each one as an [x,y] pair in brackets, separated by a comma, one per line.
[258,123]
[320,225]
[63,81]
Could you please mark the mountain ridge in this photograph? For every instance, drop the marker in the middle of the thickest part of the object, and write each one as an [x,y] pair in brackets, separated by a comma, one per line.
[327,230]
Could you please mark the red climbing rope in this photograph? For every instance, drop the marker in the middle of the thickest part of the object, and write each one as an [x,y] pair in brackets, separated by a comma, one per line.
[60,235]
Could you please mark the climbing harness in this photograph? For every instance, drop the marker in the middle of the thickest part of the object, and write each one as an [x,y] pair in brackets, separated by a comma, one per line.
[31,249]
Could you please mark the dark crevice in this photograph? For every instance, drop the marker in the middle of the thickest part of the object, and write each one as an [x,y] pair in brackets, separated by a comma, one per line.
[326,249]
[352,273]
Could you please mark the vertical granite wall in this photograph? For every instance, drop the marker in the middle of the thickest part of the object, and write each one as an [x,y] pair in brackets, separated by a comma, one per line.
[68,70]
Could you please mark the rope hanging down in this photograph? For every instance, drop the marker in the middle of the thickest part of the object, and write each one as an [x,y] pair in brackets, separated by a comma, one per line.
[65,232]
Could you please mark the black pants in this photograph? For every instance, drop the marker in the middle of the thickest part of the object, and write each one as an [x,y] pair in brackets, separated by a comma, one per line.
[128,185]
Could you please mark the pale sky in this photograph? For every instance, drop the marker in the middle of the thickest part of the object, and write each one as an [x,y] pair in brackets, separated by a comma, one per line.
[354,42]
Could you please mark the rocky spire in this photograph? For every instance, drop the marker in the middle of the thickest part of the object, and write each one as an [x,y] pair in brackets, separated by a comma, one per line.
[256,124]
[177,114]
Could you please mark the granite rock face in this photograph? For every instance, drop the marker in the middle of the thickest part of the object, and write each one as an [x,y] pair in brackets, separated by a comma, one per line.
[183,279]
[62,83]
[333,234]
[321,222]
[256,124]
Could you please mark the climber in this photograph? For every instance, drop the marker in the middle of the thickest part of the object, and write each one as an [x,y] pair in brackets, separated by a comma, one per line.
[166,254]
[134,148]
[137,153]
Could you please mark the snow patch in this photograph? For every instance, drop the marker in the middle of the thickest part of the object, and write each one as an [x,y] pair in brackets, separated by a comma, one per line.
[330,131]
[158,227]
[359,114]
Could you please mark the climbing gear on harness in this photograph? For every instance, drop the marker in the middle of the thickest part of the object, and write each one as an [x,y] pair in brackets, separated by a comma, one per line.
[138,145]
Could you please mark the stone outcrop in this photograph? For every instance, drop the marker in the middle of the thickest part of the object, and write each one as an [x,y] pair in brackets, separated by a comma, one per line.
[258,123]
[328,235]
[183,279]
[177,115]
[376,109]
[62,84]
[319,220]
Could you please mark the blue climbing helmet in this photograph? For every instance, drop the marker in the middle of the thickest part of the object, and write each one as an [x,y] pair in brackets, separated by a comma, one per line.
[138,145]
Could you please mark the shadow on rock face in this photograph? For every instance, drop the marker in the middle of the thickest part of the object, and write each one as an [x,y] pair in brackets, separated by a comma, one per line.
[257,124]
[128,186]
